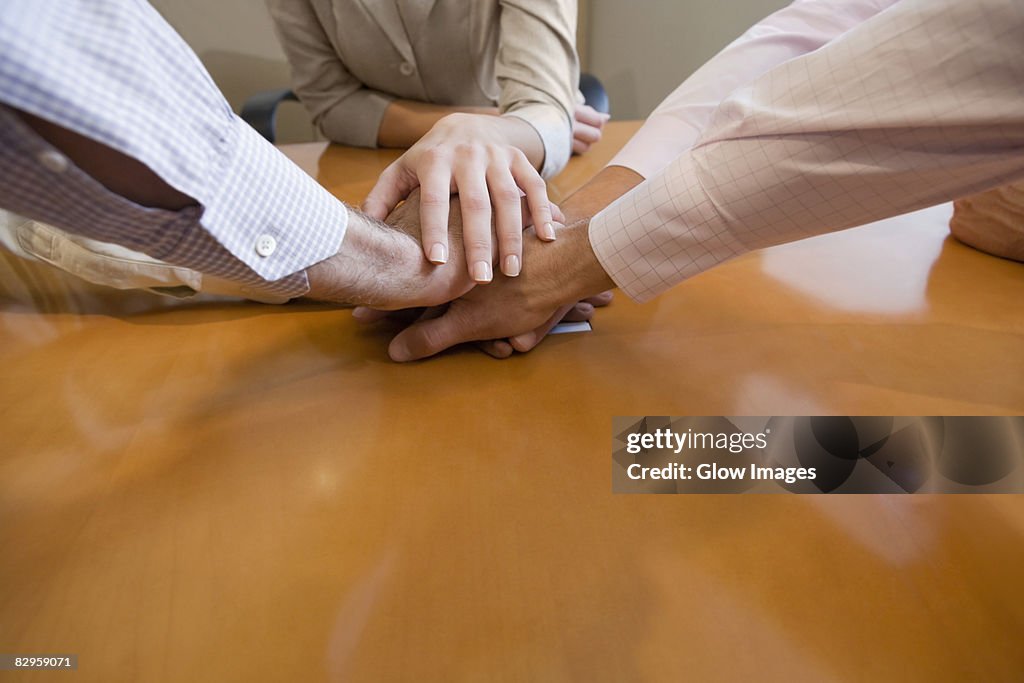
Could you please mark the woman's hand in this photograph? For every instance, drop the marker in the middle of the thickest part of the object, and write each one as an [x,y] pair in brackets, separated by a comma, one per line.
[473,155]
[586,127]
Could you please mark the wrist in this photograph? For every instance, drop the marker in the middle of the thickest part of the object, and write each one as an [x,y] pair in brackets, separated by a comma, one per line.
[604,188]
[518,132]
[499,130]
[567,270]
[369,267]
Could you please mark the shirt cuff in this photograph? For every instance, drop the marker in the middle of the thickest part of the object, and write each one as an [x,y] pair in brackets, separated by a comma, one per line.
[660,140]
[267,212]
[555,133]
[355,120]
[661,232]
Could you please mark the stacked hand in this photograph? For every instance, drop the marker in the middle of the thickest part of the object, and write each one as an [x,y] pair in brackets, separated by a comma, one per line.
[382,266]
[522,309]
[513,313]
[473,156]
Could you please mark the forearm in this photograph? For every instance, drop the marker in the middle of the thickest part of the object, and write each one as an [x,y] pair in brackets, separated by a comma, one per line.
[608,185]
[821,144]
[406,121]
[374,266]
[538,70]
[118,172]
[342,109]
[158,164]
[572,268]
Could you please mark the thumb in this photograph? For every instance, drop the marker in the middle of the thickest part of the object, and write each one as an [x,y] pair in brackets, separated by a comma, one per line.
[393,186]
[429,337]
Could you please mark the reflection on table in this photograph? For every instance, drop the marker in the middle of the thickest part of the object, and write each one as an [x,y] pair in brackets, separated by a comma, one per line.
[227,491]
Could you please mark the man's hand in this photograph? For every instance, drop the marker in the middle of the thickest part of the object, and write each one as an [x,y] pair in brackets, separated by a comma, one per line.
[581,311]
[479,157]
[469,320]
[599,192]
[382,266]
[522,309]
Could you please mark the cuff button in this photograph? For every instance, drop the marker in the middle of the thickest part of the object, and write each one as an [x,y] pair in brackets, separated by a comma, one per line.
[265,245]
[53,160]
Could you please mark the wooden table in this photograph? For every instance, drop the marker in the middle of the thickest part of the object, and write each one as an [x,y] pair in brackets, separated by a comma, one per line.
[236,492]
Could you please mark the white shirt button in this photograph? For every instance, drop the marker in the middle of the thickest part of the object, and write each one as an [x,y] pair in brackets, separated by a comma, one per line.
[406,69]
[265,245]
[53,160]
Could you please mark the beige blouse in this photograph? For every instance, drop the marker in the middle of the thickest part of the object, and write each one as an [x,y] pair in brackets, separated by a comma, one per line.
[350,58]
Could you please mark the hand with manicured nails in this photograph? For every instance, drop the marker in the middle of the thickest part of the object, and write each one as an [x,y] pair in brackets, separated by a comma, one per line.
[381,265]
[472,155]
[522,309]
[560,262]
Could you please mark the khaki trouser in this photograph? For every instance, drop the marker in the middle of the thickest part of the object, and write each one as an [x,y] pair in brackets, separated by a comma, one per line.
[992,221]
[51,259]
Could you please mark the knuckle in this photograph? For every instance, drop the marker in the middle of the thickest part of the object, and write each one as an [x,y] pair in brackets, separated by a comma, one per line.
[476,245]
[496,151]
[432,339]
[524,342]
[475,201]
[533,183]
[467,150]
[436,156]
[429,340]
[433,200]
[511,245]
[506,193]
[511,235]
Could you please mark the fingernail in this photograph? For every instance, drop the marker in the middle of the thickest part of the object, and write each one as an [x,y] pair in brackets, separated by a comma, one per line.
[399,353]
[482,271]
[438,253]
[548,233]
[511,265]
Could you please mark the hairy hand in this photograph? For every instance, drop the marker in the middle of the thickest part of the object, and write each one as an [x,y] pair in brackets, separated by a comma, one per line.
[521,309]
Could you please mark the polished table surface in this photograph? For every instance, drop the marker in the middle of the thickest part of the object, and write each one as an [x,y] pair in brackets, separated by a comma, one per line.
[221,491]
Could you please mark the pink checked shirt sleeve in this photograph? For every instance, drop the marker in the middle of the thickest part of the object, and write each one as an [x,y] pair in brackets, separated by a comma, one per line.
[920,104]
[674,126]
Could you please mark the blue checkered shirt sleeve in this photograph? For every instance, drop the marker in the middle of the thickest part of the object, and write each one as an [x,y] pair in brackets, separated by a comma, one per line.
[116,72]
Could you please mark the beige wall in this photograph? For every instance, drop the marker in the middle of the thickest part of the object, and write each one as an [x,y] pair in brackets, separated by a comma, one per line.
[643,49]
[236,41]
[640,49]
